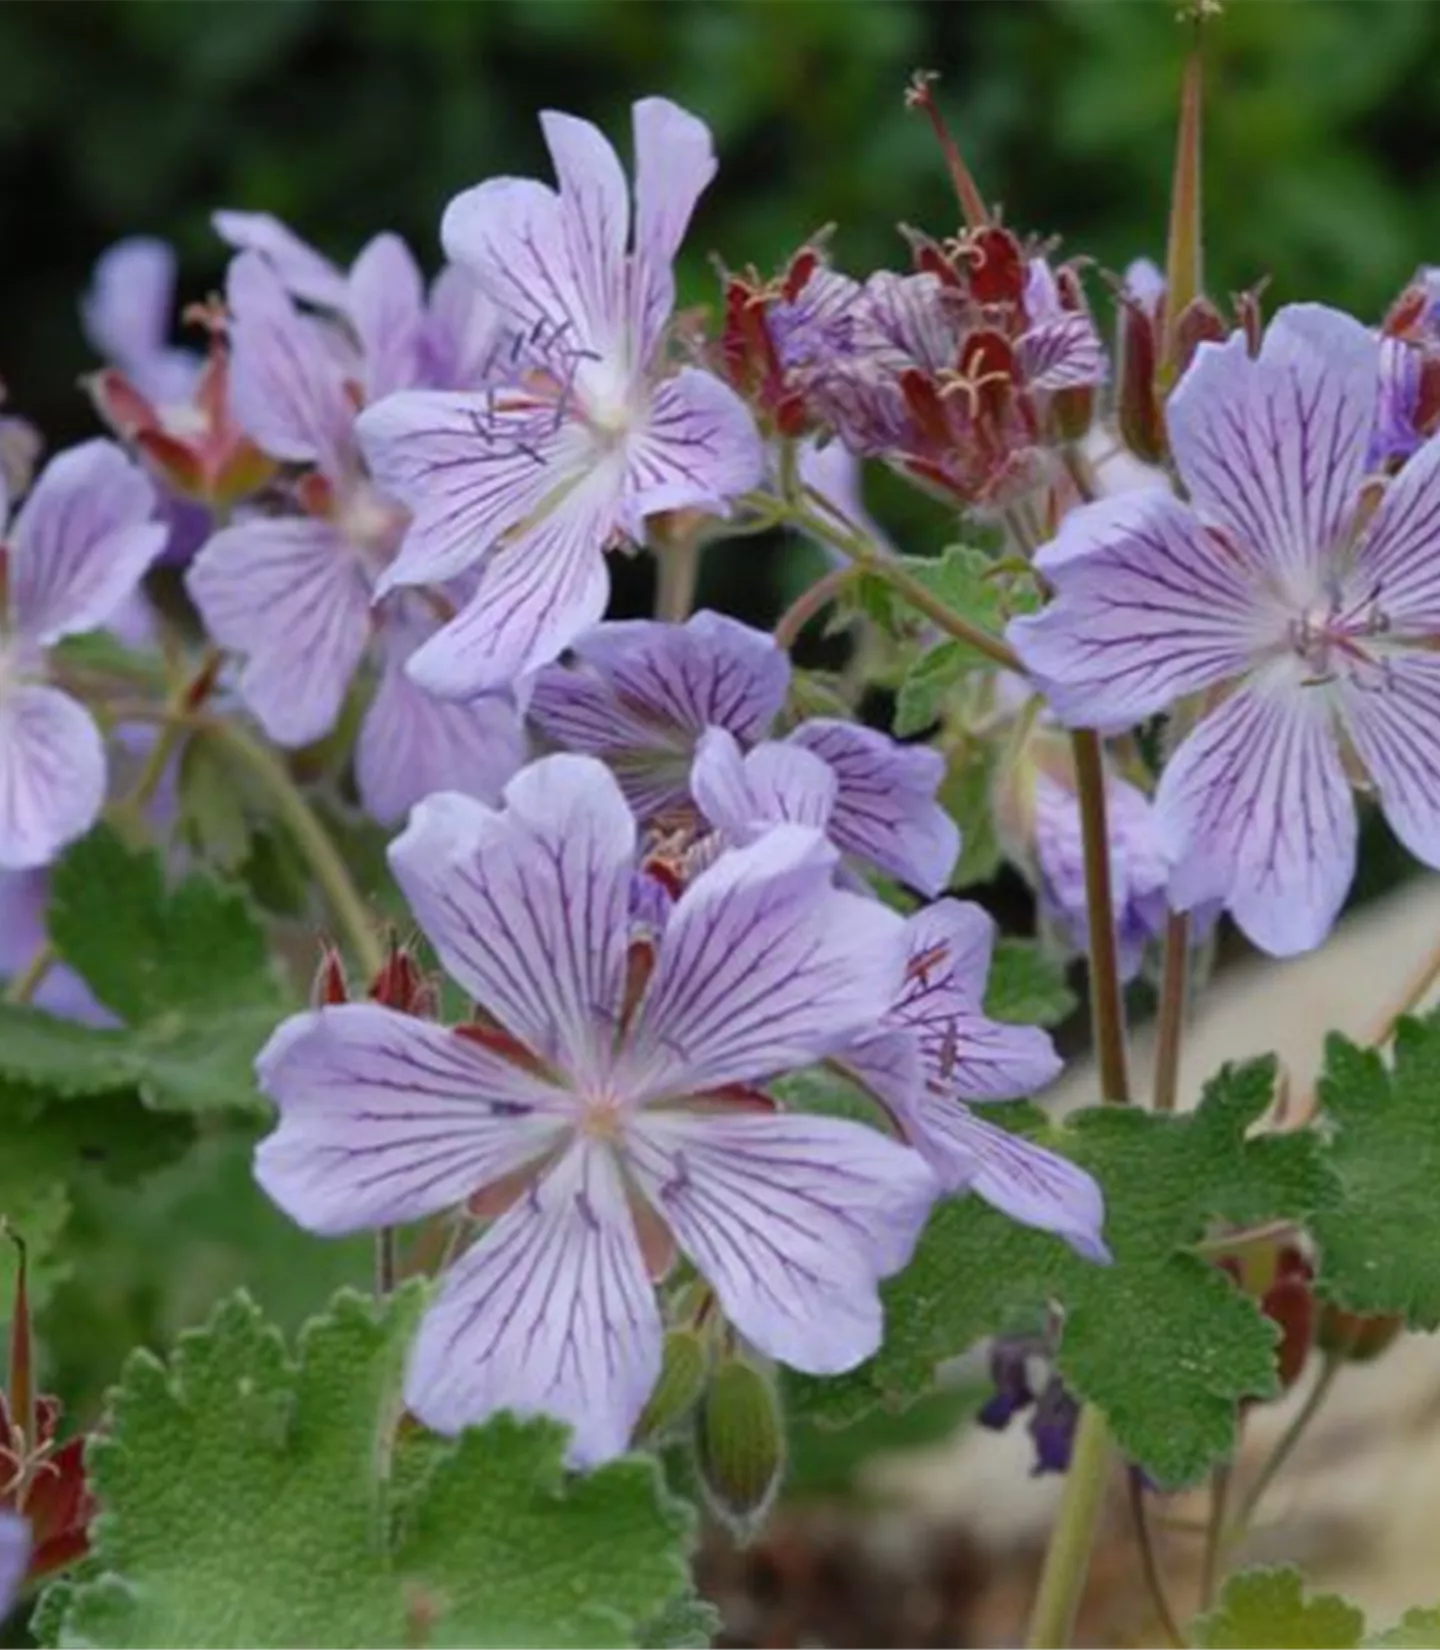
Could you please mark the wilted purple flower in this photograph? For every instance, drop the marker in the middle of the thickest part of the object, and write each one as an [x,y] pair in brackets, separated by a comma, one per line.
[641,693]
[590,434]
[15,1545]
[1054,1410]
[294,594]
[874,799]
[127,315]
[1308,621]
[937,1055]
[73,556]
[595,1102]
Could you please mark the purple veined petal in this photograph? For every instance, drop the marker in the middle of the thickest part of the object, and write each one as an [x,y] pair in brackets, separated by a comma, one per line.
[551,1312]
[385,300]
[674,164]
[510,235]
[742,795]
[1063,353]
[15,1546]
[698,449]
[1273,449]
[764,966]
[126,311]
[291,595]
[1397,401]
[464,340]
[412,744]
[24,901]
[1392,715]
[527,907]
[833,471]
[81,543]
[885,809]
[287,388]
[385,1118]
[470,468]
[1254,808]
[1398,565]
[1148,607]
[792,1220]
[304,272]
[595,214]
[1030,1184]
[52,775]
[533,596]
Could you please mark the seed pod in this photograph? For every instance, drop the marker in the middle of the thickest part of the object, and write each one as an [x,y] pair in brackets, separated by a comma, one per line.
[1352,1336]
[684,1370]
[740,1445]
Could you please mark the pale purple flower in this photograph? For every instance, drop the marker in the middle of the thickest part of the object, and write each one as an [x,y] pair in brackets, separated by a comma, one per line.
[594,1103]
[641,693]
[590,433]
[307,274]
[24,901]
[1060,348]
[127,316]
[833,473]
[937,1058]
[73,555]
[1308,620]
[874,799]
[295,595]
[15,1545]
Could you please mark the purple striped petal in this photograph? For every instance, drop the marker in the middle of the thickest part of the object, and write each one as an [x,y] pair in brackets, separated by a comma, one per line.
[1393,718]
[290,595]
[385,300]
[126,317]
[464,342]
[885,809]
[302,270]
[81,543]
[15,1545]
[471,468]
[385,1118]
[287,388]
[764,966]
[412,744]
[1398,566]
[595,219]
[1148,607]
[533,595]
[697,449]
[674,164]
[1273,449]
[52,775]
[792,1220]
[1036,1187]
[834,472]
[527,908]
[551,1312]
[742,795]
[1254,808]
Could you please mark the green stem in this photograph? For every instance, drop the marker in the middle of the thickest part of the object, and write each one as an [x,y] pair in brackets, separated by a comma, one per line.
[677,572]
[1211,1566]
[179,709]
[1107,1002]
[1067,1558]
[1174,987]
[311,837]
[1150,1566]
[1283,1450]
[812,600]
[24,985]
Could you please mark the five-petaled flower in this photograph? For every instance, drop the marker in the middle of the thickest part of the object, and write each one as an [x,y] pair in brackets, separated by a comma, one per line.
[1290,613]
[602,1108]
[590,432]
[71,560]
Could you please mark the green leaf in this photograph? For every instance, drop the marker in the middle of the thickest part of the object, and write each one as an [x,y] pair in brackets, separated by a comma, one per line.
[967,796]
[1416,1630]
[1268,1610]
[250,1499]
[688,1623]
[920,701]
[187,969]
[1380,1244]
[213,817]
[1027,986]
[1160,1339]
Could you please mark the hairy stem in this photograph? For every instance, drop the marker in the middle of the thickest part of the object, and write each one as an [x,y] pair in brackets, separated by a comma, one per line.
[1211,1566]
[1107,1002]
[1174,990]
[1067,1558]
[677,572]
[1283,1450]
[811,601]
[311,837]
[1150,1566]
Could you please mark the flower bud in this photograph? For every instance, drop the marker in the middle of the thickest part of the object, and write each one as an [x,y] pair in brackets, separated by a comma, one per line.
[684,1370]
[1142,426]
[740,1445]
[402,985]
[1354,1336]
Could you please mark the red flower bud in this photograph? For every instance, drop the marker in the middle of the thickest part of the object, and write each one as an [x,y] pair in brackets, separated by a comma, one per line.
[1353,1336]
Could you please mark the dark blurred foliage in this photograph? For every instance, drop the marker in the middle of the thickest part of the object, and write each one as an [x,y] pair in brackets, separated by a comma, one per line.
[347,116]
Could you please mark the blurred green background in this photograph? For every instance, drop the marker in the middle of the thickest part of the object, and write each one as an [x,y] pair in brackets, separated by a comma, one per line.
[347,116]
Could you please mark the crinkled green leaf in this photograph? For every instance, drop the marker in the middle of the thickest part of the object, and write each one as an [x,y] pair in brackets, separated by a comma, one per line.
[920,701]
[1160,1339]
[1027,986]
[1380,1244]
[1268,1610]
[186,968]
[251,1499]
[689,1623]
